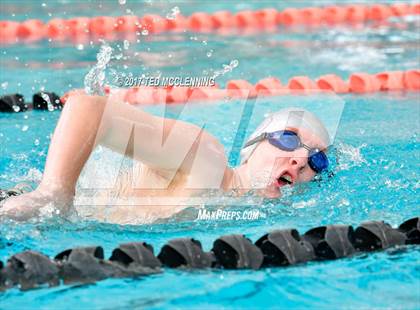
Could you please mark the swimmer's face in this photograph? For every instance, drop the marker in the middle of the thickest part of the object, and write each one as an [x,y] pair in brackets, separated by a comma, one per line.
[271,168]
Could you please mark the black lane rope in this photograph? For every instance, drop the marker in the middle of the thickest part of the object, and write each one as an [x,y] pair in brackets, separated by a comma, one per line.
[285,247]
[15,103]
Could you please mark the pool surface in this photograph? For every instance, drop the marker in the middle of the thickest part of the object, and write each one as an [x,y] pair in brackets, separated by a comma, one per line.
[376,169]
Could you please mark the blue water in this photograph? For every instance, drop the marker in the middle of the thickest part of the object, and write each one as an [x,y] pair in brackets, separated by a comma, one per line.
[376,175]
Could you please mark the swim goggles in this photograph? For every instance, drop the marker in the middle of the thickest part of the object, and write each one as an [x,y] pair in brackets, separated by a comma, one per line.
[289,141]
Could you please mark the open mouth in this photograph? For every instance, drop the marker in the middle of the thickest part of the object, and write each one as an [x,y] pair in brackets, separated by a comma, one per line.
[285,179]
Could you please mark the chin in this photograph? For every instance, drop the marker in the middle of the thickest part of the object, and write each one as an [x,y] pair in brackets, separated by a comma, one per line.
[270,193]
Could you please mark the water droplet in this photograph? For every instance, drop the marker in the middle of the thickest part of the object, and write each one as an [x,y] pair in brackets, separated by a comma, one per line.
[44,5]
[226,68]
[145,32]
[209,53]
[122,2]
[174,12]
[4,85]
[15,108]
[80,47]
[25,127]
[126,44]
[36,142]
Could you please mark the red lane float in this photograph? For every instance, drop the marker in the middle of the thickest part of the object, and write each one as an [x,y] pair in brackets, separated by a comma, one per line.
[356,13]
[268,18]
[240,88]
[246,19]
[301,83]
[412,79]
[200,22]
[8,31]
[127,23]
[269,86]
[290,17]
[154,23]
[78,25]
[391,80]
[177,24]
[32,28]
[223,19]
[400,9]
[312,16]
[334,14]
[102,25]
[380,12]
[358,83]
[364,83]
[332,82]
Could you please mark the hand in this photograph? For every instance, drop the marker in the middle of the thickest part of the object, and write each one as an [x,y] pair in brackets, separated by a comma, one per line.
[29,205]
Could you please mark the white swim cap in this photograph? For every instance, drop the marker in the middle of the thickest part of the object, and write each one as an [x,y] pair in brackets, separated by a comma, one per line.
[289,117]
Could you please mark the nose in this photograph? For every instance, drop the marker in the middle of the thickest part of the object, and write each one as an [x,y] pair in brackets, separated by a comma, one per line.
[299,159]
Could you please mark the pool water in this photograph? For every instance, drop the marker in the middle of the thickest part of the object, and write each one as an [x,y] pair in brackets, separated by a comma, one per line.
[376,173]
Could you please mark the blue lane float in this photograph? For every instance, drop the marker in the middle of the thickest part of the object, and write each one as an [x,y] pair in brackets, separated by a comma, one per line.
[31,269]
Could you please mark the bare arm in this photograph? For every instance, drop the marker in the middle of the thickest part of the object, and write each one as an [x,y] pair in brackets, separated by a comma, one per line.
[90,120]
[165,144]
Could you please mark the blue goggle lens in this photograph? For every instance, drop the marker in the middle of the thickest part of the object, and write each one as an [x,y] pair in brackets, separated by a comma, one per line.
[285,140]
[289,141]
[317,160]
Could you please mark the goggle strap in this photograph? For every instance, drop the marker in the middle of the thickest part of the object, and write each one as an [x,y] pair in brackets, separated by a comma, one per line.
[257,139]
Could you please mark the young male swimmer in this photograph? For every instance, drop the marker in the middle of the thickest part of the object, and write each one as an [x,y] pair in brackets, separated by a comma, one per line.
[287,148]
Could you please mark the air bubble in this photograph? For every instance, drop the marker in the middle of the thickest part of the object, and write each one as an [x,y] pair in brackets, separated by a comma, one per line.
[80,47]
[122,2]
[25,127]
[36,142]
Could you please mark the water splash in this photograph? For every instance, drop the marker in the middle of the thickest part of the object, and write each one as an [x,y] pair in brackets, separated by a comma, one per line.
[50,106]
[95,78]
[261,179]
[174,13]
[349,156]
[226,68]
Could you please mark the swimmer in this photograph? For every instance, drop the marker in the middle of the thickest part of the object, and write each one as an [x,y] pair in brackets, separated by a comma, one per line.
[289,147]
